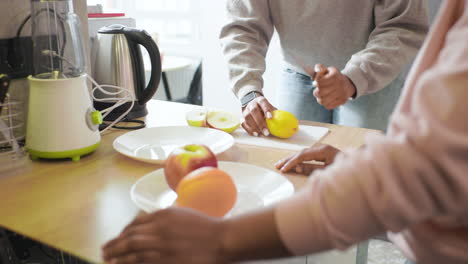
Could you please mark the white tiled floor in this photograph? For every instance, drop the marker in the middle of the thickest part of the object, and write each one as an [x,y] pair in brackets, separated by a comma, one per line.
[381,252]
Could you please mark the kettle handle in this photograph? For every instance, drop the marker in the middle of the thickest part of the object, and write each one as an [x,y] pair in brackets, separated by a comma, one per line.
[143,38]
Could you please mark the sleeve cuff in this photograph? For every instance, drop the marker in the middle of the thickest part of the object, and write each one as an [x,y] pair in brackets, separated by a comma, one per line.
[247,89]
[299,227]
[357,77]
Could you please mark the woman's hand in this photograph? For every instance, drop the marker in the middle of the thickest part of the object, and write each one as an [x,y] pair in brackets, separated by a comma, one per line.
[174,235]
[300,162]
[255,114]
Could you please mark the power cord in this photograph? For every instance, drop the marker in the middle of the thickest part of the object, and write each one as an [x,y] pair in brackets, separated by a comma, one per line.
[52,11]
[127,96]
[20,28]
[141,124]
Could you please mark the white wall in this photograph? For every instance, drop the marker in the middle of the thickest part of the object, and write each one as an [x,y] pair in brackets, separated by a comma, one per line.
[216,91]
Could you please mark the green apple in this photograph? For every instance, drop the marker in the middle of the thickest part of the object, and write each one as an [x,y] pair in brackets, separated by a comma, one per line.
[186,159]
[223,120]
[196,117]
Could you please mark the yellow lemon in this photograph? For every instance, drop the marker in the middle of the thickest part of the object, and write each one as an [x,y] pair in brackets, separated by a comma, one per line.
[283,124]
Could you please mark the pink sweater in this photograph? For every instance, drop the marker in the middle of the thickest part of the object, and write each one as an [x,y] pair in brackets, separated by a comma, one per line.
[412,182]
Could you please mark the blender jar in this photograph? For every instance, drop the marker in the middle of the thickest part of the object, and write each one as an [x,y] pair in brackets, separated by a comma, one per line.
[58,50]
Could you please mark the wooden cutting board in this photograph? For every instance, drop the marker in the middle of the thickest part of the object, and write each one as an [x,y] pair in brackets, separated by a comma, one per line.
[305,137]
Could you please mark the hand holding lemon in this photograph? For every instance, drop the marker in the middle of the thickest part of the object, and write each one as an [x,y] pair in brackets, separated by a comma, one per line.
[262,118]
[283,124]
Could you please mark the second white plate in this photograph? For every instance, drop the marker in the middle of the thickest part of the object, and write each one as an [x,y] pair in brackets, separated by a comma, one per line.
[156,143]
[257,187]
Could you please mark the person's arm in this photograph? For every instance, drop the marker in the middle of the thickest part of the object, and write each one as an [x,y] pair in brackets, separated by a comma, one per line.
[245,39]
[181,235]
[414,174]
[400,28]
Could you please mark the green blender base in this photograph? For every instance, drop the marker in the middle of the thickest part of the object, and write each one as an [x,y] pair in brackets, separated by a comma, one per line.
[75,155]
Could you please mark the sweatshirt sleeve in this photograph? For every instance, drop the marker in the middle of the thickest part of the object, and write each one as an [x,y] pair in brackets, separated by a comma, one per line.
[245,39]
[400,28]
[417,172]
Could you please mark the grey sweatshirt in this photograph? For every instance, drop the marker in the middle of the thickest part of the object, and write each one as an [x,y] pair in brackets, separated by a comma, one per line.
[369,40]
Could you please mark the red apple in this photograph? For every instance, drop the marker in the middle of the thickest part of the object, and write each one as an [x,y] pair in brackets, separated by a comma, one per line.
[186,159]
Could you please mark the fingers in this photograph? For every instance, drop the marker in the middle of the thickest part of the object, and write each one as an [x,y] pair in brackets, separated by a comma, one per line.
[279,164]
[335,103]
[292,161]
[250,125]
[307,168]
[320,72]
[322,153]
[325,91]
[322,92]
[332,87]
[259,117]
[147,228]
[297,167]
[122,246]
[146,218]
[327,77]
[148,257]
[255,114]
[267,108]
[331,102]
[330,76]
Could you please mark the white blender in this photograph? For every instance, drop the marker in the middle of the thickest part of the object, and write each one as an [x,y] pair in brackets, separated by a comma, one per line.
[62,122]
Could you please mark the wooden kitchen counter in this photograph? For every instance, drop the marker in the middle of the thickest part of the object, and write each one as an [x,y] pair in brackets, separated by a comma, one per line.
[78,206]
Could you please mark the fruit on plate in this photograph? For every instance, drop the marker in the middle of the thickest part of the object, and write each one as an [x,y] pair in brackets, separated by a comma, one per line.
[223,120]
[208,190]
[186,159]
[196,117]
[283,124]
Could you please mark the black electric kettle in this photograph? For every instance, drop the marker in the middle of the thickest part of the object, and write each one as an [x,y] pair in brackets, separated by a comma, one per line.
[118,61]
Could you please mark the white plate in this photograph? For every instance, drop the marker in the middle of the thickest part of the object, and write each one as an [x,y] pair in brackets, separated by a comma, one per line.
[257,187]
[156,143]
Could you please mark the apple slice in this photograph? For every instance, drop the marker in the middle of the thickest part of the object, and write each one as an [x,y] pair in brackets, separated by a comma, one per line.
[222,120]
[196,117]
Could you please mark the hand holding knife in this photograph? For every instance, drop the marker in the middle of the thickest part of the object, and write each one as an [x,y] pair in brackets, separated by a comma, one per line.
[315,72]
[332,88]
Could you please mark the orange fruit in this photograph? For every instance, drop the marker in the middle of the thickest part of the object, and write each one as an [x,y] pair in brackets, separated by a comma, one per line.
[208,190]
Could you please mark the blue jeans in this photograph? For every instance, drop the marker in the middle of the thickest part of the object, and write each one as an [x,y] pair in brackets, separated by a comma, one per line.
[369,111]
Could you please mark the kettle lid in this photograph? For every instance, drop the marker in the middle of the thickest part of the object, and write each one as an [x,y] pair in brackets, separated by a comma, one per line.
[112,29]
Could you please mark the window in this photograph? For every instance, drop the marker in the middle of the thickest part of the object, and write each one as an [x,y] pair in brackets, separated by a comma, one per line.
[175,22]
